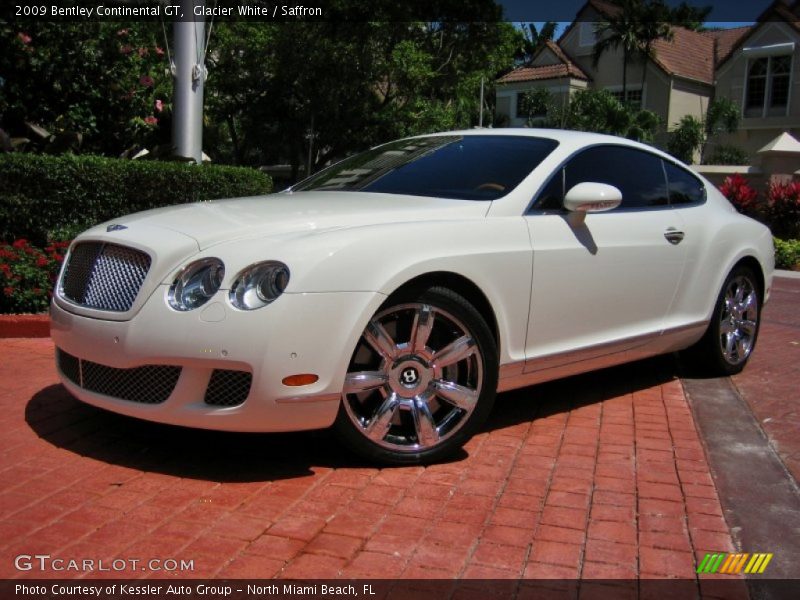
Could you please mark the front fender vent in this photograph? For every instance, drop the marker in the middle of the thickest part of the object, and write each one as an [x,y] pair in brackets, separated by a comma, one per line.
[228,388]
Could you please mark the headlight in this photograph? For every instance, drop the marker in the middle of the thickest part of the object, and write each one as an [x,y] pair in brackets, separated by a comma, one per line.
[196,283]
[259,284]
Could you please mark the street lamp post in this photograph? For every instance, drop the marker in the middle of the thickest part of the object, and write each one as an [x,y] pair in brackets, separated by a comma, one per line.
[189,73]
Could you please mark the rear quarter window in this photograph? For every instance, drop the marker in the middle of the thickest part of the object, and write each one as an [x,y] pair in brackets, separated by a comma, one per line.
[684,188]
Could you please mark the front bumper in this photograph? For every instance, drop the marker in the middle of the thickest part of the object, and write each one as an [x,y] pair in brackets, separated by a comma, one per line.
[298,333]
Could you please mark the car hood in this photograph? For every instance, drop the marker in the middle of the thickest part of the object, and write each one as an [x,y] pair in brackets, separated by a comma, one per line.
[209,223]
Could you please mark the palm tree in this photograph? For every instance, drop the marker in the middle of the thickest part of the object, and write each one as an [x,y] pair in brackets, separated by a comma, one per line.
[655,25]
[620,30]
[637,25]
[658,21]
[533,39]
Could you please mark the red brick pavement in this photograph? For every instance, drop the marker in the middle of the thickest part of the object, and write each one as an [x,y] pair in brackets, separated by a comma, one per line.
[599,476]
[771,382]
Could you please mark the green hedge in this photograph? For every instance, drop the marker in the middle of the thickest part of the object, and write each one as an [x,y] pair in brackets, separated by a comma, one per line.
[54,197]
[787,253]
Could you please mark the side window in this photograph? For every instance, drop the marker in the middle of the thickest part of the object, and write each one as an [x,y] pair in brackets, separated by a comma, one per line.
[684,188]
[637,174]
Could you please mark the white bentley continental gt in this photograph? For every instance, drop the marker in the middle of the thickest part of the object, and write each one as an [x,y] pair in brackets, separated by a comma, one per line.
[393,294]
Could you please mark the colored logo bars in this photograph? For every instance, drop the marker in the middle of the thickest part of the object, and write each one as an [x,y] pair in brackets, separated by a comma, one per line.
[732,564]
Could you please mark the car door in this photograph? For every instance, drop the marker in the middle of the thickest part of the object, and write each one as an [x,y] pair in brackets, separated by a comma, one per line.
[604,286]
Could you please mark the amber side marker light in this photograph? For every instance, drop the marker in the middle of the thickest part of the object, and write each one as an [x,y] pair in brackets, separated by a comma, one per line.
[301,379]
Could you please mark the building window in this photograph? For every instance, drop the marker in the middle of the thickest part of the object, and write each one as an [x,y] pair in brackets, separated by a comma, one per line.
[767,91]
[634,97]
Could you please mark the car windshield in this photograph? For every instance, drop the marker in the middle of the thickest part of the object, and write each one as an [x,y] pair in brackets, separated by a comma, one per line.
[470,167]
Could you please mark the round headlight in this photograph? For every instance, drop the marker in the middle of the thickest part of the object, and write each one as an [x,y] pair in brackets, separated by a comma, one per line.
[196,284]
[259,284]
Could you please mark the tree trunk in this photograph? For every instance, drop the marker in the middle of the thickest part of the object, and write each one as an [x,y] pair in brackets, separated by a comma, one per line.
[625,77]
[237,150]
[646,58]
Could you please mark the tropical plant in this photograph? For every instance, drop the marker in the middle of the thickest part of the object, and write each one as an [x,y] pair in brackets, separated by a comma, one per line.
[620,30]
[686,138]
[535,105]
[96,85]
[782,208]
[740,194]
[636,25]
[692,135]
[725,154]
[601,112]
[533,39]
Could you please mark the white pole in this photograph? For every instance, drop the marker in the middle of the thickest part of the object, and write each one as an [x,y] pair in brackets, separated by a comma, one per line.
[189,73]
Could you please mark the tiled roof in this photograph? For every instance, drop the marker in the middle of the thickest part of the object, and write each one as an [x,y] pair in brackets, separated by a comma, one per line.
[780,10]
[787,12]
[689,54]
[725,40]
[566,68]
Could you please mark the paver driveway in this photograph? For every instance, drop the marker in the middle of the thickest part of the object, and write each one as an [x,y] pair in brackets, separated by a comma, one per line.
[598,476]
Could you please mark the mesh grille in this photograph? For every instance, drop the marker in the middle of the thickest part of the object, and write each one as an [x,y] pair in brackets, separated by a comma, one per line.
[151,384]
[69,366]
[104,276]
[228,388]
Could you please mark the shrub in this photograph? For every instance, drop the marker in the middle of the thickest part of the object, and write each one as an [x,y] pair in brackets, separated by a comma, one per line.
[739,193]
[686,138]
[727,155]
[54,197]
[27,275]
[787,254]
[783,209]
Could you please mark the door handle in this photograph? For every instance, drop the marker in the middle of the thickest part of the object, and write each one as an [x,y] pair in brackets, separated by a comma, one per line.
[674,236]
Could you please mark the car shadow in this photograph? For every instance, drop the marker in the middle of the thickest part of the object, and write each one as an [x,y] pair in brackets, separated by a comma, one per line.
[61,420]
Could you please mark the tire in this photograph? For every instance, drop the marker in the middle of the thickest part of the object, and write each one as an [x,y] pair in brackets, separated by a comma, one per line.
[421,381]
[731,336]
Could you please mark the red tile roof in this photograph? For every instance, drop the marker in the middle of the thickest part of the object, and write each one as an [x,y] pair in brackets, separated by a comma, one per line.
[725,40]
[689,54]
[566,68]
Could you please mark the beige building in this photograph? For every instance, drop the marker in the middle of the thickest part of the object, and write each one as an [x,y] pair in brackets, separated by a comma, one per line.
[681,78]
[761,74]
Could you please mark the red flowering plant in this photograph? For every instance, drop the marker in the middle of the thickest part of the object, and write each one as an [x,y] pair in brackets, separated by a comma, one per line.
[783,209]
[739,193]
[27,275]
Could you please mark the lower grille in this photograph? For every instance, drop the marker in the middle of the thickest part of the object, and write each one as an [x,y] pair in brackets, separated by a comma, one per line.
[228,388]
[150,384]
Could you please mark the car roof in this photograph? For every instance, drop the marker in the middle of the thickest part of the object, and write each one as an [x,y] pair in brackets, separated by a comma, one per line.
[572,140]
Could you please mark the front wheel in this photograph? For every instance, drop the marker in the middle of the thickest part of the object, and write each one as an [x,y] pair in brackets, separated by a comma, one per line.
[421,381]
[732,333]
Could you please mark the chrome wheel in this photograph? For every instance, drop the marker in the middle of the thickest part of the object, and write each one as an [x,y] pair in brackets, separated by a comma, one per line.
[415,378]
[738,320]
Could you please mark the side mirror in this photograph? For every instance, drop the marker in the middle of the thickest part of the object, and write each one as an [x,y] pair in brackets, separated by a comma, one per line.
[590,197]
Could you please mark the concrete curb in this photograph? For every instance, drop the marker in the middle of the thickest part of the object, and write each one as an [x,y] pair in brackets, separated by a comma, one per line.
[787,274]
[24,326]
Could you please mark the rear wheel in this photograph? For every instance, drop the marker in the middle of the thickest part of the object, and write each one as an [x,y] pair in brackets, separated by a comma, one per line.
[732,333]
[421,381]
